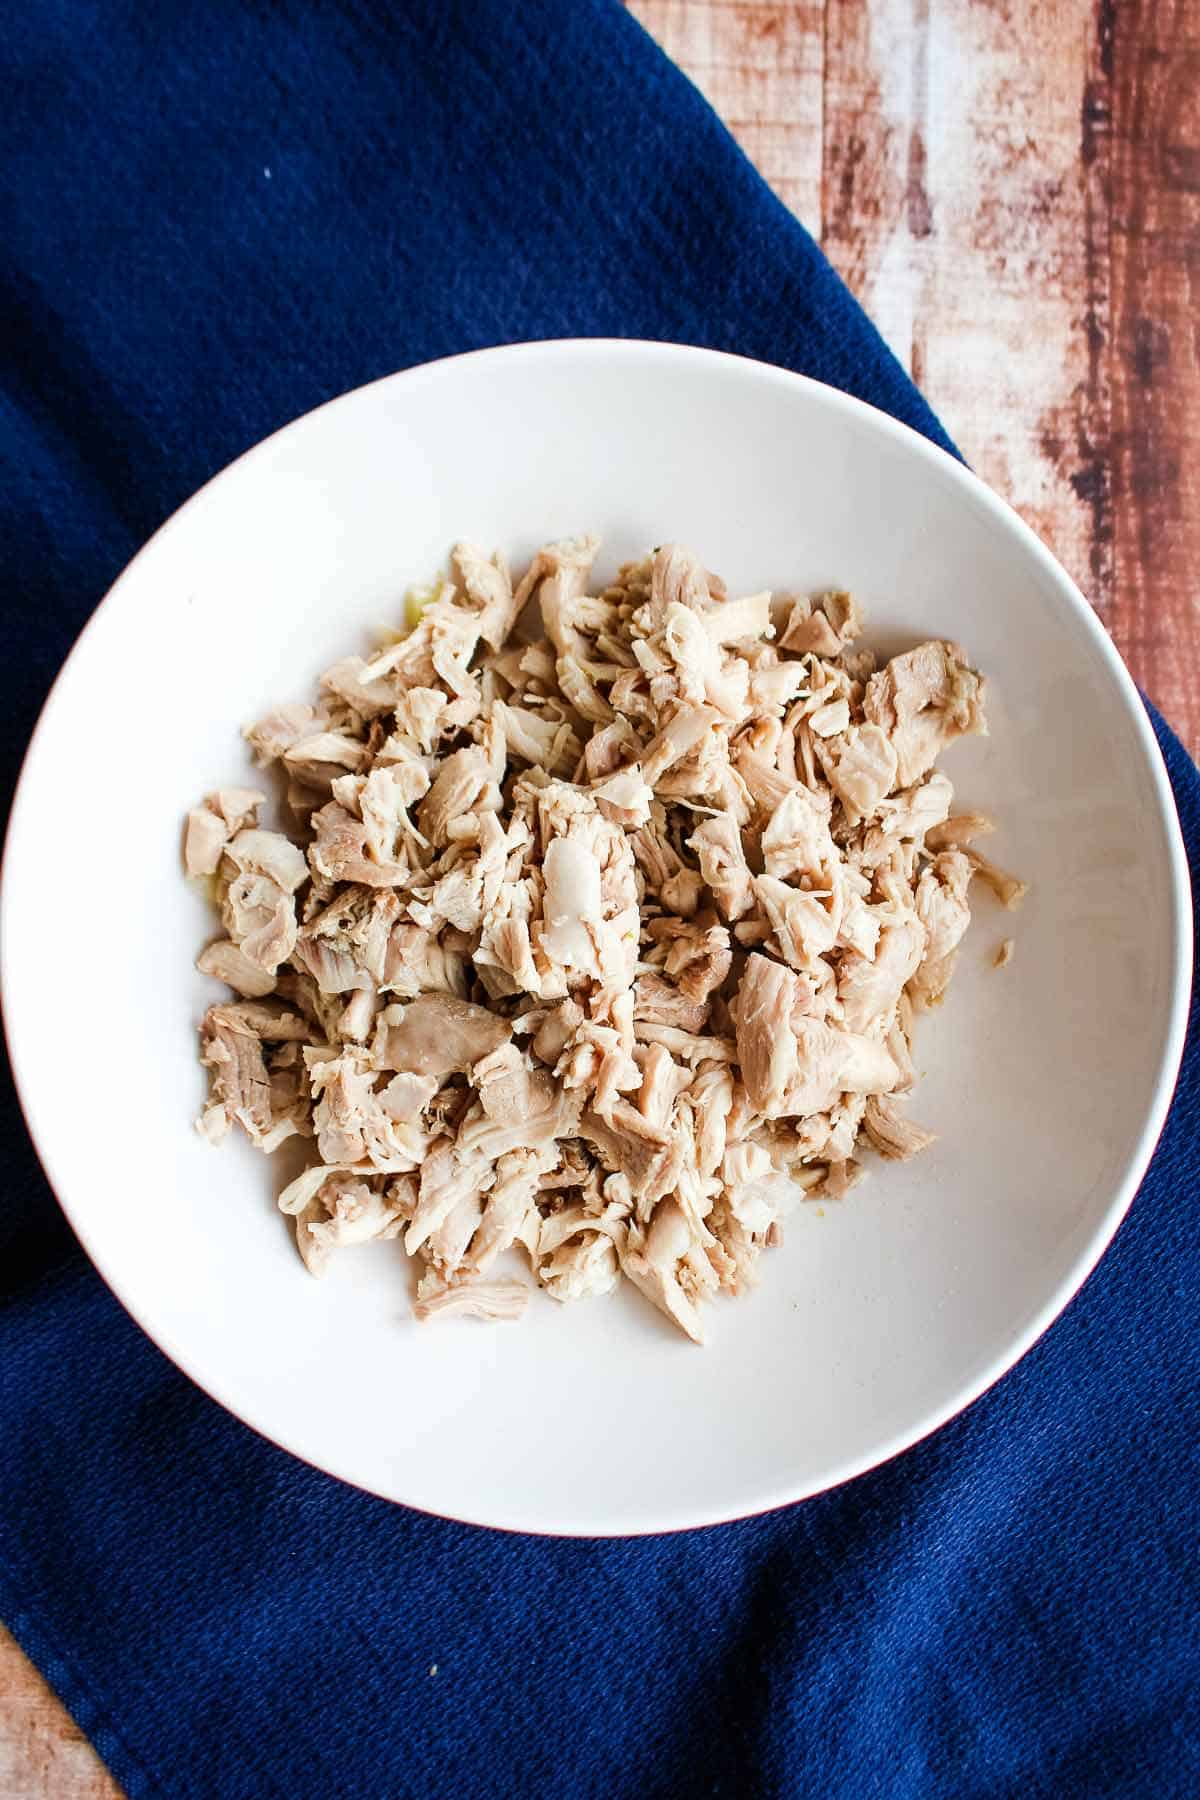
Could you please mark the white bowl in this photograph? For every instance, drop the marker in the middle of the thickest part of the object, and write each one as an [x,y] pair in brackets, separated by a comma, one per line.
[881,1316]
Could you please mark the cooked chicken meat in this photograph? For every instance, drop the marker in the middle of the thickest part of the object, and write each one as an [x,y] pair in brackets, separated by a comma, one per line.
[597,931]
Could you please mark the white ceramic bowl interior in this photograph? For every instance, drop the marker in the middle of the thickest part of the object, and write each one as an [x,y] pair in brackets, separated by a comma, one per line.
[882,1315]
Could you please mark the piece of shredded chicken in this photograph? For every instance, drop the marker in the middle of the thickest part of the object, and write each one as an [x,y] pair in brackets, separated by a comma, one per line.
[597,929]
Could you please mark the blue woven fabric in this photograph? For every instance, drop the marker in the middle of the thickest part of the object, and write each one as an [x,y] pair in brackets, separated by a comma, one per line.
[216,215]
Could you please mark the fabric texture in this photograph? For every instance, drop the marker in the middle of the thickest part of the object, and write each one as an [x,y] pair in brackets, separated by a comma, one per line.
[216,215]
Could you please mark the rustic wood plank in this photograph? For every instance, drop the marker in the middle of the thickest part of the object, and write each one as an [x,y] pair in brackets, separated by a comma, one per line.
[43,1753]
[959,206]
[760,65]
[964,199]
[1155,238]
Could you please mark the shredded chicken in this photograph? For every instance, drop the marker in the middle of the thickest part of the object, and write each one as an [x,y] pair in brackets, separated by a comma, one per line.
[598,930]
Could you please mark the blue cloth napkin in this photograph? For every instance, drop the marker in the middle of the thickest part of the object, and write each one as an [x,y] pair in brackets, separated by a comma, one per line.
[215,215]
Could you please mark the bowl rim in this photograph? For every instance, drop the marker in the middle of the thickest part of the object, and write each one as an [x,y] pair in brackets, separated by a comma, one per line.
[565,351]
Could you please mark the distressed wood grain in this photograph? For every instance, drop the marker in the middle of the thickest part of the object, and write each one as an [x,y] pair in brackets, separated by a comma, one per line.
[760,65]
[1155,240]
[1013,190]
[959,206]
[43,1753]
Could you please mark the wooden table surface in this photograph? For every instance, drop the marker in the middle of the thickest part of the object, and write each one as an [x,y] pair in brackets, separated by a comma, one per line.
[1012,188]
